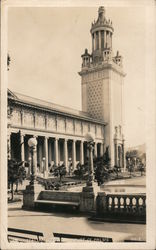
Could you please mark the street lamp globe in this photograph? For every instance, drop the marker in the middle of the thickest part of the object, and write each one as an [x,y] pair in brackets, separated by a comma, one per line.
[32,142]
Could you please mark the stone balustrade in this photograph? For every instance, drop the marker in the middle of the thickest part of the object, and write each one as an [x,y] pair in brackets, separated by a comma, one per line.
[123,205]
[126,203]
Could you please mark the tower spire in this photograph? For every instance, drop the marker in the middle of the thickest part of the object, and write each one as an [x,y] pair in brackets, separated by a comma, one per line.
[101,32]
[101,12]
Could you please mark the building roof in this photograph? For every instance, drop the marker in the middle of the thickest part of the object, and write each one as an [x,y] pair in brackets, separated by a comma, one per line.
[51,107]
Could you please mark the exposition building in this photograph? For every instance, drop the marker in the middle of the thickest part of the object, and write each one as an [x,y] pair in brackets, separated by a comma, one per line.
[60,131]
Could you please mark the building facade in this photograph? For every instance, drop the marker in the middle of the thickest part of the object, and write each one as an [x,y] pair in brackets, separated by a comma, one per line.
[61,131]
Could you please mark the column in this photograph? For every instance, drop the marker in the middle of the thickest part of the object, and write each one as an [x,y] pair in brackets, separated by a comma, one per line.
[34,159]
[46,170]
[104,38]
[81,153]
[65,154]
[35,155]
[50,151]
[99,39]
[73,155]
[22,146]
[116,154]
[123,157]
[40,155]
[95,149]
[92,42]
[95,39]
[110,39]
[9,145]
[101,149]
[56,151]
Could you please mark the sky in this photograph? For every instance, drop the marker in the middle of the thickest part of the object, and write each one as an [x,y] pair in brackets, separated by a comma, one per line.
[46,44]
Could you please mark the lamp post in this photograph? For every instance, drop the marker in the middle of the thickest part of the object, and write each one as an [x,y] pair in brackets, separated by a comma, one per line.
[89,192]
[32,142]
[90,145]
[32,191]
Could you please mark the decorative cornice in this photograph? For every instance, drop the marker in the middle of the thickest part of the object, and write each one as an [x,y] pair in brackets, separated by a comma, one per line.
[101,66]
[56,112]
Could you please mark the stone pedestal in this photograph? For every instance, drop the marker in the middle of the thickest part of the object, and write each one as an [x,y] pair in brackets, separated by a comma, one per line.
[87,200]
[31,194]
[88,197]
[101,203]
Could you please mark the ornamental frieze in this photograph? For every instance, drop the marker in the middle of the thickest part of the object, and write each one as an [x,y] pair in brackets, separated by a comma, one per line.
[28,118]
[92,128]
[85,128]
[78,129]
[16,117]
[51,122]
[69,126]
[40,120]
[61,124]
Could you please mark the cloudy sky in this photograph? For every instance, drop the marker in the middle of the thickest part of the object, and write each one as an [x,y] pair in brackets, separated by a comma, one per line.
[46,43]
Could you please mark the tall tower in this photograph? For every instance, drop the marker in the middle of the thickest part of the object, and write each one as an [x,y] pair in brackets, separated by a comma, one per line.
[102,85]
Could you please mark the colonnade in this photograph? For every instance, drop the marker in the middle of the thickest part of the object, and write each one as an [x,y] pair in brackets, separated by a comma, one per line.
[101,39]
[56,149]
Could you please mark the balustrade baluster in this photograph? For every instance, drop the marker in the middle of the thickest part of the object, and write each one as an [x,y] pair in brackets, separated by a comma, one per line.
[125,205]
[119,204]
[137,204]
[113,204]
[108,203]
[144,204]
[131,204]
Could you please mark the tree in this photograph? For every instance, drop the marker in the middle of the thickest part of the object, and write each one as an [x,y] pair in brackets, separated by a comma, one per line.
[81,170]
[141,167]
[16,174]
[101,167]
[117,170]
[60,171]
[130,166]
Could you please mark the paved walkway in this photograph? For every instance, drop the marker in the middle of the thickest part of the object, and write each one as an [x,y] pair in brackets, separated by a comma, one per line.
[67,223]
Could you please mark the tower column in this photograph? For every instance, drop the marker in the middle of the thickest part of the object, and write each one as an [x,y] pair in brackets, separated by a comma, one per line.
[65,154]
[110,39]
[105,39]
[100,39]
[92,42]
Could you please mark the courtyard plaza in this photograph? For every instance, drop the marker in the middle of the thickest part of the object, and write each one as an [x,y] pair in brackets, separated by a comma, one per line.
[49,222]
[69,223]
